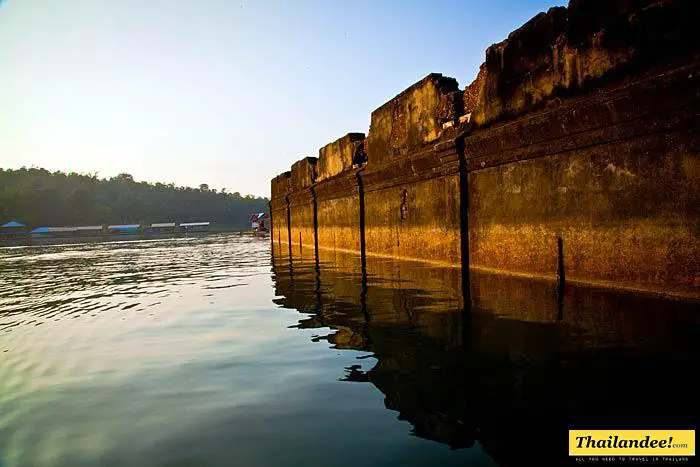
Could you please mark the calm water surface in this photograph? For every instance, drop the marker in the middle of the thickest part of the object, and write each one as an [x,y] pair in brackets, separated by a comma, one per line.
[211,351]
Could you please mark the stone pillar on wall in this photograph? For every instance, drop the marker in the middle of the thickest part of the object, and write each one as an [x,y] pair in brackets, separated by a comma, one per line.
[411,180]
[279,210]
[302,206]
[338,193]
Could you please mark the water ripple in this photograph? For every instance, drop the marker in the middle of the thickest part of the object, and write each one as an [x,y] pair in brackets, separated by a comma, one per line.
[47,282]
[91,319]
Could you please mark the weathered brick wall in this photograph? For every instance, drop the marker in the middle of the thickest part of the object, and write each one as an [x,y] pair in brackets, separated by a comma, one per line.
[616,175]
[582,124]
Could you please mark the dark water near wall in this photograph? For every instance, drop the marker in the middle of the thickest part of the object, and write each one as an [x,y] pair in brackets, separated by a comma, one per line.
[210,352]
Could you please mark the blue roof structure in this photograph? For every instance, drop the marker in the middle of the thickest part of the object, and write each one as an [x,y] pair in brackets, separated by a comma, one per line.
[40,230]
[124,228]
[12,224]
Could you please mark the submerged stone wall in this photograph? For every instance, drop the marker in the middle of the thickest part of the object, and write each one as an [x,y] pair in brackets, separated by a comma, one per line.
[581,126]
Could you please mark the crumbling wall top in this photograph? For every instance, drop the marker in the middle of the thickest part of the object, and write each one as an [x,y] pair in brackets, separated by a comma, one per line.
[280,185]
[413,118]
[303,173]
[575,49]
[340,155]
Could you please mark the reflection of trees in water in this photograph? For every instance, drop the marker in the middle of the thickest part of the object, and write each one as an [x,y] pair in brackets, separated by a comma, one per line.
[513,371]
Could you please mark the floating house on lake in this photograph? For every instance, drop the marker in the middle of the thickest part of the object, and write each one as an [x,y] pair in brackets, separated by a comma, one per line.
[124,229]
[89,230]
[52,232]
[56,232]
[13,230]
[162,227]
[195,226]
[257,221]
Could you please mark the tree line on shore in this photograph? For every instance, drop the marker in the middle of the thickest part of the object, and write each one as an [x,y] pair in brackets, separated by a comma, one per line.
[37,197]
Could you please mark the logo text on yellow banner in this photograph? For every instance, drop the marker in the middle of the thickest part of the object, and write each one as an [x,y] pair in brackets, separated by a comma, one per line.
[631,442]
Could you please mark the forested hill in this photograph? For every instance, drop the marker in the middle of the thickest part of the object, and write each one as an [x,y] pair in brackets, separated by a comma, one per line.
[37,197]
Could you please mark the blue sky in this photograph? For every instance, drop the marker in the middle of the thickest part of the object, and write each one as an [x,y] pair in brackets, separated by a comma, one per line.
[228,93]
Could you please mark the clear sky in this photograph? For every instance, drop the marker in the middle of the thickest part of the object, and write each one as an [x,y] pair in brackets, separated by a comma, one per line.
[224,92]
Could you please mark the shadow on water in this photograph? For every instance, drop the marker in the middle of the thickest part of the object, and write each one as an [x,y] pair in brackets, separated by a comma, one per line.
[516,372]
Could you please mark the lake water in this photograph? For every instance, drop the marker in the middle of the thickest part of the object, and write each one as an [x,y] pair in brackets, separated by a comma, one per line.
[211,351]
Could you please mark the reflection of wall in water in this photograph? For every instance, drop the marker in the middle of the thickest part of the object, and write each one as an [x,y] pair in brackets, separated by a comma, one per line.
[429,298]
[511,365]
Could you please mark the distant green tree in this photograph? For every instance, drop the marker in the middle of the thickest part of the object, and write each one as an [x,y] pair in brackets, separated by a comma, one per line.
[38,197]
